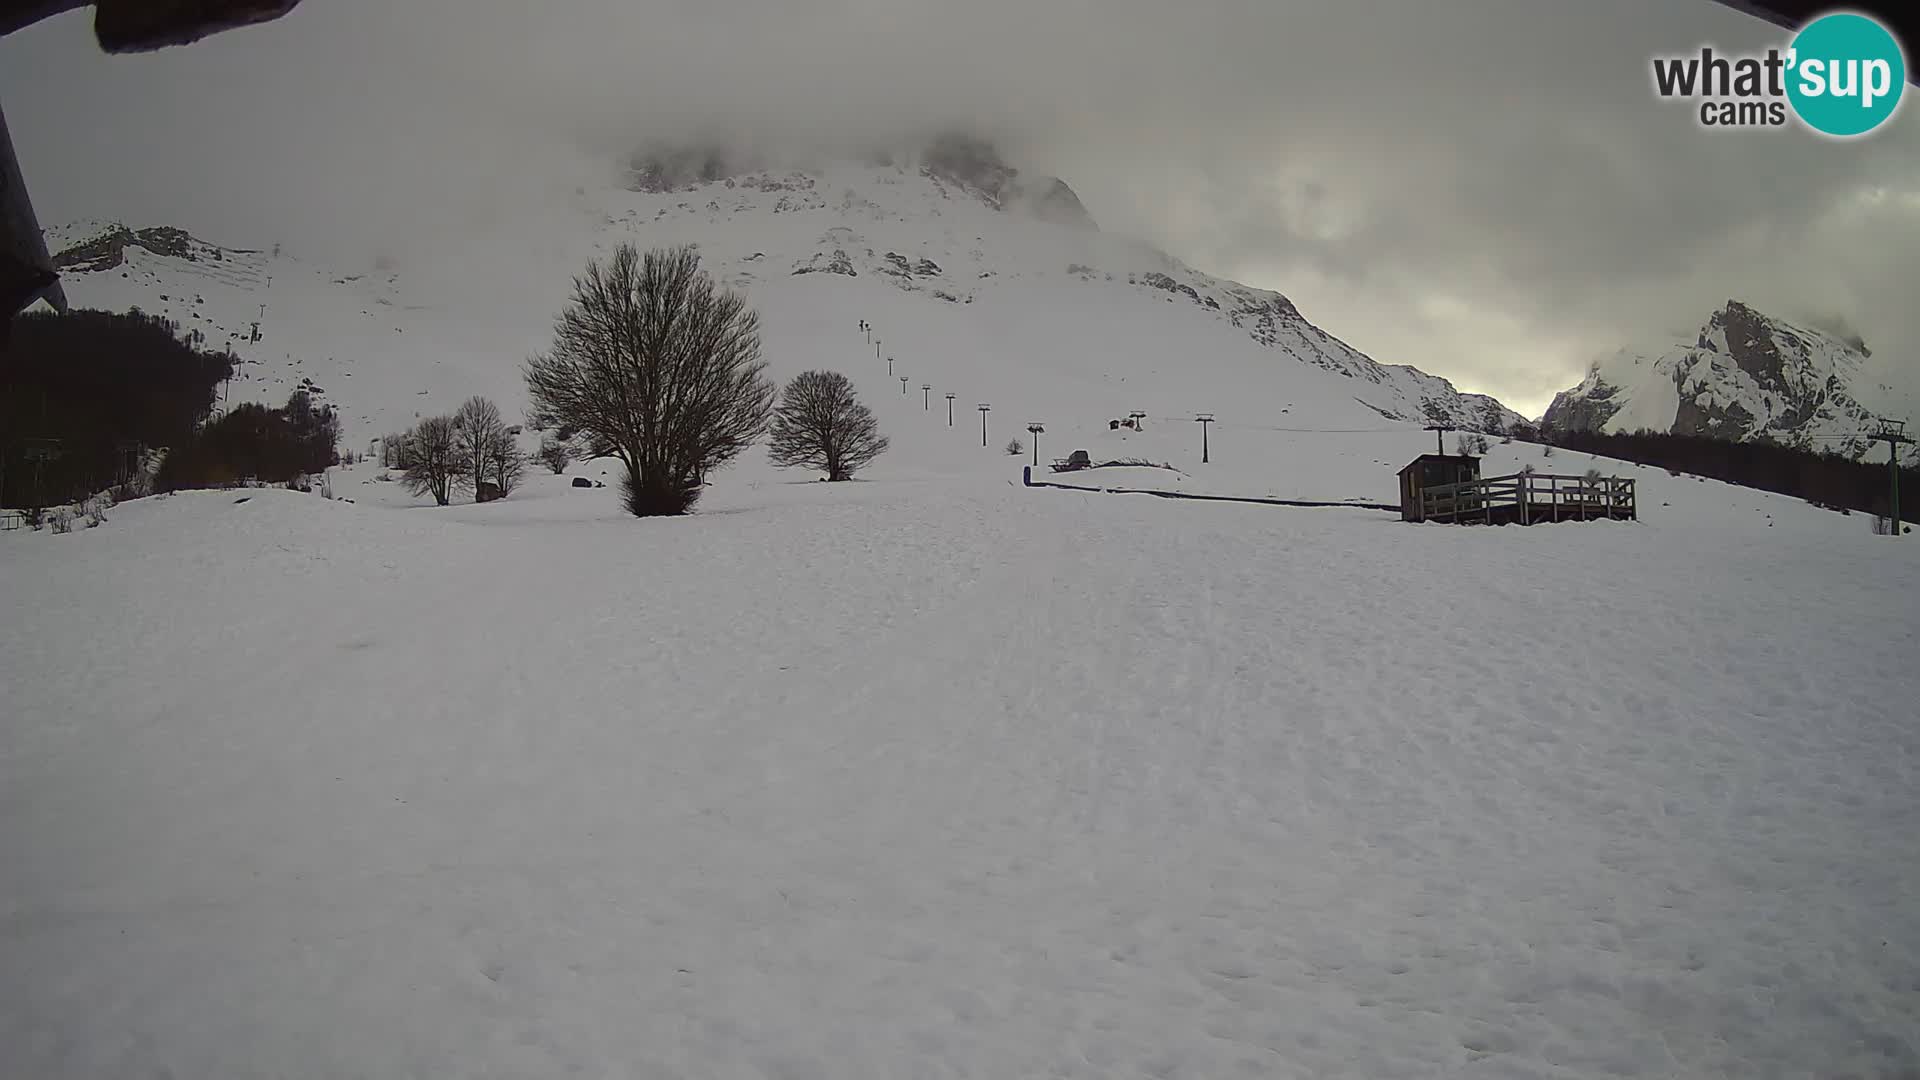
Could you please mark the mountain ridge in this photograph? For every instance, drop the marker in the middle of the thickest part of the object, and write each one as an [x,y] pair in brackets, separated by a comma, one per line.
[1745,375]
[965,233]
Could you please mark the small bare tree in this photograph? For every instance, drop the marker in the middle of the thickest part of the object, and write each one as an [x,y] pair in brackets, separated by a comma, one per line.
[554,453]
[655,366]
[478,431]
[434,465]
[506,465]
[1015,446]
[820,424]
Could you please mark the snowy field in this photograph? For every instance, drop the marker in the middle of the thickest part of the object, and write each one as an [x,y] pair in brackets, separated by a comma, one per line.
[936,776]
[933,775]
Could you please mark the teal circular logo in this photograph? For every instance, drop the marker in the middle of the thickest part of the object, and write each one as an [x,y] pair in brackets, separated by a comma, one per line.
[1846,73]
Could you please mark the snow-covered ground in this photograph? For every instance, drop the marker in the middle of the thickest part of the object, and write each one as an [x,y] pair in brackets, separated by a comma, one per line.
[937,775]
[933,774]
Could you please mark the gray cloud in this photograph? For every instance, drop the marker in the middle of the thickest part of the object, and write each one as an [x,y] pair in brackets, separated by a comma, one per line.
[1488,190]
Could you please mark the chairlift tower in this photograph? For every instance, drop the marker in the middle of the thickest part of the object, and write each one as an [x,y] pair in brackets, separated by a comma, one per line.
[1893,433]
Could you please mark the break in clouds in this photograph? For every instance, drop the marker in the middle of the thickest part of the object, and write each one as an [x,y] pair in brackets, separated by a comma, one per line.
[1487,190]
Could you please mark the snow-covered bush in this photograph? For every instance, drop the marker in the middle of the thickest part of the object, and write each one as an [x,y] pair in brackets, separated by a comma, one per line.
[61,518]
[1015,447]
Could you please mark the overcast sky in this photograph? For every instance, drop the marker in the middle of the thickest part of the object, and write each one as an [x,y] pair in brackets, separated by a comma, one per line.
[1486,189]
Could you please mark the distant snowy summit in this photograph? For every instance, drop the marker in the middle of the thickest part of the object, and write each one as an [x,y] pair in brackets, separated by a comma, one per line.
[919,185]
[1747,375]
[969,164]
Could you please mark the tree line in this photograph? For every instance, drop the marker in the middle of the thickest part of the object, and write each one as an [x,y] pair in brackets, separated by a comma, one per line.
[269,445]
[1824,479]
[82,393]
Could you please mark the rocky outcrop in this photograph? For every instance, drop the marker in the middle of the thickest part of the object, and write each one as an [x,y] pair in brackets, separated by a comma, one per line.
[1745,375]
[1587,407]
[109,249]
[974,165]
[823,263]
[664,167]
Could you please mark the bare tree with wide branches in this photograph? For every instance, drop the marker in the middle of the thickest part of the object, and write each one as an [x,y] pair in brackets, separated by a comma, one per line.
[655,366]
[434,463]
[820,424]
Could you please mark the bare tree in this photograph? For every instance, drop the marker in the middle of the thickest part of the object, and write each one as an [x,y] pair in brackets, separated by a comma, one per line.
[821,425]
[478,431]
[555,453]
[655,366]
[506,465]
[434,465]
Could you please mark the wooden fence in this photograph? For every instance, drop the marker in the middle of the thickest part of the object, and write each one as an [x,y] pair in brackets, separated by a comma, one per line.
[1029,481]
[1531,499]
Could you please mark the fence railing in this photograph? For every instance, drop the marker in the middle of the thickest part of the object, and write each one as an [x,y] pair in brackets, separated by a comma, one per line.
[1531,498]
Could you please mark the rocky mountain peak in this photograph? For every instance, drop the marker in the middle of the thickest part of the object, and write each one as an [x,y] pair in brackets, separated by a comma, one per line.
[957,160]
[1745,375]
[107,247]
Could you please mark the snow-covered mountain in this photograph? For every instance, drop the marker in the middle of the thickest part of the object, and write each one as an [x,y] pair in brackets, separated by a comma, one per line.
[994,282]
[1747,375]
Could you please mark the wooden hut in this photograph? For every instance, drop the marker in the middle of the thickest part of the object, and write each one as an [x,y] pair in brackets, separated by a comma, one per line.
[1433,470]
[1449,488]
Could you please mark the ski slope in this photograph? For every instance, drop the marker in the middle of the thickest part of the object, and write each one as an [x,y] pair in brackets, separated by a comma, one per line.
[936,775]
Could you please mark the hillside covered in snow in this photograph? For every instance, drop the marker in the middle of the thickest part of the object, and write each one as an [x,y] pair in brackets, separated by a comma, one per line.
[998,286]
[1747,375]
